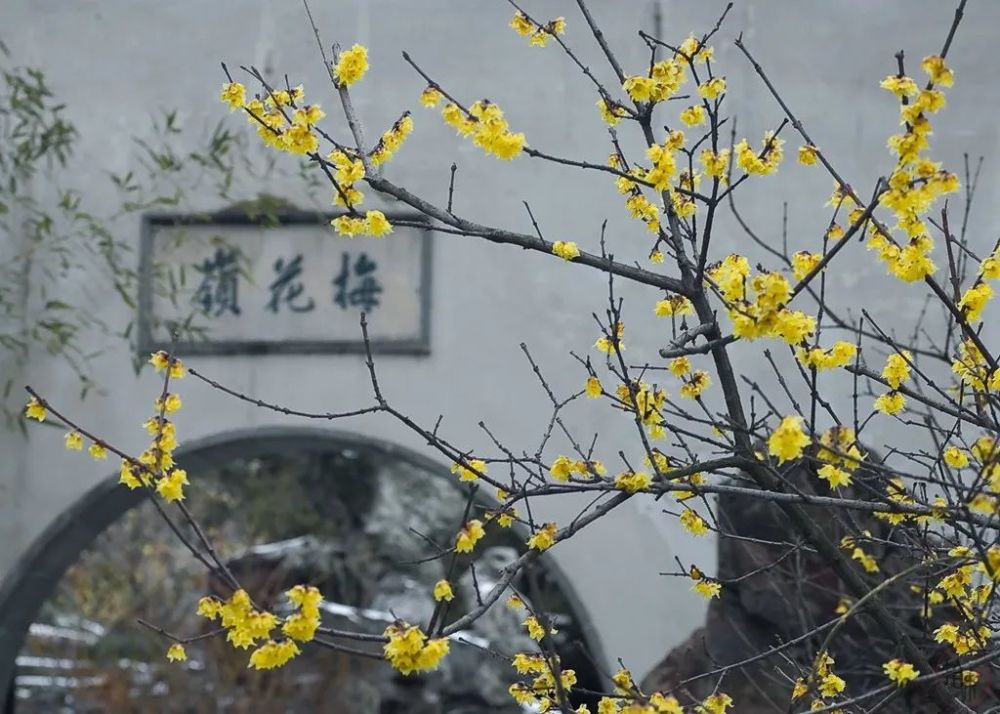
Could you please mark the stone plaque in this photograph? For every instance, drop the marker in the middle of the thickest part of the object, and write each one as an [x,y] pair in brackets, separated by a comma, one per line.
[240,286]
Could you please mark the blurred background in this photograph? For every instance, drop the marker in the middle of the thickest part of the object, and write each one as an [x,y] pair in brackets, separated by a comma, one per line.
[119,116]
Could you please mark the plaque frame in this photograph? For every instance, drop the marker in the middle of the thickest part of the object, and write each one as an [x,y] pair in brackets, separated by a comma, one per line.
[153,221]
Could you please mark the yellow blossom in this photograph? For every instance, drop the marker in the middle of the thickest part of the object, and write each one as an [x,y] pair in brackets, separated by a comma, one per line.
[693,115]
[693,523]
[897,368]
[171,486]
[901,86]
[469,535]
[974,300]
[788,440]
[593,388]
[443,591]
[715,704]
[899,672]
[430,97]
[74,440]
[161,360]
[376,224]
[633,482]
[938,72]
[176,653]
[127,477]
[808,154]
[867,561]
[234,94]
[890,403]
[34,409]
[544,538]
[98,451]
[955,457]
[534,628]
[712,88]
[679,366]
[351,66]
[566,250]
[471,472]
[834,476]
[272,655]
[561,468]
[708,589]
[715,164]
[408,649]
[673,306]
[612,113]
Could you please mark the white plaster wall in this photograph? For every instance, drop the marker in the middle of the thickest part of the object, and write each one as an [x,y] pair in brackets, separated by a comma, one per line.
[115,62]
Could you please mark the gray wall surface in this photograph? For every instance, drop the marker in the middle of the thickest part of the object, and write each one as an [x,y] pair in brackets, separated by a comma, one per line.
[116,62]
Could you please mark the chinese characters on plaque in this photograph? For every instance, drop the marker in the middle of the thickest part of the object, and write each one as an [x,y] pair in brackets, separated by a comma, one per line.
[291,287]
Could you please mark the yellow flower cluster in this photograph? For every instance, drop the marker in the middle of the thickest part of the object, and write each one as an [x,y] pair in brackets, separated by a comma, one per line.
[828,684]
[301,625]
[373,224]
[679,366]
[468,535]
[647,404]
[351,66]
[486,124]
[695,383]
[712,88]
[972,369]
[762,162]
[766,315]
[803,263]
[693,523]
[471,472]
[563,467]
[840,455]
[543,538]
[817,358]
[389,143]
[611,113]
[443,591]
[640,207]
[176,653]
[673,306]
[565,249]
[808,155]
[348,170]
[539,34]
[409,650]
[963,642]
[788,440]
[270,116]
[633,481]
[663,81]
[34,409]
[895,372]
[714,163]
[899,672]
[157,460]
[974,300]
[917,182]
[714,704]
[535,629]
[704,586]
[606,345]
[248,627]
[541,693]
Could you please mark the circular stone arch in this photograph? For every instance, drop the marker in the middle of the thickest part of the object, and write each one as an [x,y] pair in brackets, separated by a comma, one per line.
[38,570]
